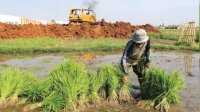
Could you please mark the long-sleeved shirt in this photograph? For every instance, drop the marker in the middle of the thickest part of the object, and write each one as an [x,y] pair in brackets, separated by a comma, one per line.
[132,54]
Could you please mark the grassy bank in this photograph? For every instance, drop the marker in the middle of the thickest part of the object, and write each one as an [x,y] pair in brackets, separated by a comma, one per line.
[32,45]
[170,39]
[165,34]
[60,45]
[170,34]
[174,47]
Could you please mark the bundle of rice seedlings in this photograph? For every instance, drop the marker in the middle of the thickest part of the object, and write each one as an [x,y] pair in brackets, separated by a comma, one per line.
[37,91]
[8,83]
[141,65]
[70,78]
[101,72]
[162,88]
[113,82]
[110,75]
[125,93]
[96,82]
[54,102]
[24,80]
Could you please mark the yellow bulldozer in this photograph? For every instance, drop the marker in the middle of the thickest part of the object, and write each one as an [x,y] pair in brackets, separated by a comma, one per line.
[80,15]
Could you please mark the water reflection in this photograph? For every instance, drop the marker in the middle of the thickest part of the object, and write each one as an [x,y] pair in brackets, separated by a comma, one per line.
[199,65]
[188,64]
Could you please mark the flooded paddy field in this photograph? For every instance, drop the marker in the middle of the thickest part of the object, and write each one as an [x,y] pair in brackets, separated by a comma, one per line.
[187,63]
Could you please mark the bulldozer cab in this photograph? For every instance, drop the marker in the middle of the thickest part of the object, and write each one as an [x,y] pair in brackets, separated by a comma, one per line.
[82,15]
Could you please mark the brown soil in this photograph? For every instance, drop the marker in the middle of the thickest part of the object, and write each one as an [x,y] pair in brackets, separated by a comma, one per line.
[105,29]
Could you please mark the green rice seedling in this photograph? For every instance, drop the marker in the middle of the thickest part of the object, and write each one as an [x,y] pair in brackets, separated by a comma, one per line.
[8,83]
[37,91]
[24,80]
[125,93]
[162,88]
[141,64]
[113,82]
[4,65]
[101,72]
[102,92]
[82,96]
[118,71]
[96,82]
[110,73]
[70,78]
[54,102]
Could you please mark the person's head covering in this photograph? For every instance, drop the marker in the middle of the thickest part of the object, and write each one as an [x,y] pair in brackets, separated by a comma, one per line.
[140,36]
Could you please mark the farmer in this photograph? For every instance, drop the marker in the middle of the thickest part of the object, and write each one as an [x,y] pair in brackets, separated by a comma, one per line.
[136,55]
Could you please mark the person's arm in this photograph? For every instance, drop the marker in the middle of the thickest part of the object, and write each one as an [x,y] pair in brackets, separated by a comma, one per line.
[147,52]
[126,52]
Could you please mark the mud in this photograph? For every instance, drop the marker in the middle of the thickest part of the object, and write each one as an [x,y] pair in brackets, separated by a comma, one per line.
[19,109]
[69,31]
[105,107]
[187,63]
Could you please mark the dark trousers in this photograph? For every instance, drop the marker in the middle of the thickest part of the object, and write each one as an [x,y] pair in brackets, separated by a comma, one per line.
[140,72]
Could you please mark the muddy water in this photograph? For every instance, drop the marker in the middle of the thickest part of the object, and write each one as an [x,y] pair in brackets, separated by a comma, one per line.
[187,63]
[40,66]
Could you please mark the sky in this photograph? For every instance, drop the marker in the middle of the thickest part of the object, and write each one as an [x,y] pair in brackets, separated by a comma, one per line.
[136,12]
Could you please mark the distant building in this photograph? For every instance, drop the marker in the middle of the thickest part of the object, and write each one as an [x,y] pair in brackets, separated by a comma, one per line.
[62,22]
[19,20]
[9,19]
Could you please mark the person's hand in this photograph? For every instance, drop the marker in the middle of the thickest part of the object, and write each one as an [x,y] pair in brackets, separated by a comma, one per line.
[125,78]
[147,65]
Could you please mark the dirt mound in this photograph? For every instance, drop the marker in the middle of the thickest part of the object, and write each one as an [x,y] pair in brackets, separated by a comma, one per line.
[105,29]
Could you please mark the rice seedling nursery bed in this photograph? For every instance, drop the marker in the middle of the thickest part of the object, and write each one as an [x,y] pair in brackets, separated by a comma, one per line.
[72,87]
